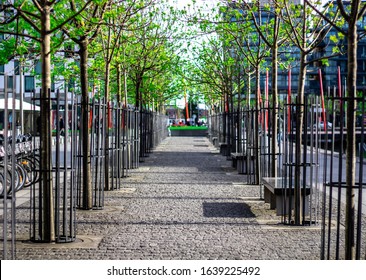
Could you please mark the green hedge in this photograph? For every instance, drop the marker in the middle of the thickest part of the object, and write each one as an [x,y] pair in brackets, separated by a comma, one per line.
[188,127]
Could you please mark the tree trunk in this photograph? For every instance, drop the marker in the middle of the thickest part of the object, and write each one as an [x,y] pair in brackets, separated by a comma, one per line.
[351,142]
[138,93]
[274,110]
[249,91]
[274,142]
[256,126]
[125,87]
[238,116]
[106,122]
[119,84]
[48,225]
[87,202]
[299,131]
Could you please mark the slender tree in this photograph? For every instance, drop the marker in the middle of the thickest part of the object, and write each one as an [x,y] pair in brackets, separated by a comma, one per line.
[351,12]
[273,36]
[306,31]
[151,50]
[82,30]
[120,19]
[44,19]
[250,46]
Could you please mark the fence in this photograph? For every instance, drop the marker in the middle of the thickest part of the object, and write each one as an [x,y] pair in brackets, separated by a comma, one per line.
[237,137]
[302,165]
[343,213]
[362,150]
[299,146]
[269,159]
[118,138]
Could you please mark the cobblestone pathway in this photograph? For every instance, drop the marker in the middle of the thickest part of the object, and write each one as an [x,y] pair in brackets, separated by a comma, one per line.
[184,202]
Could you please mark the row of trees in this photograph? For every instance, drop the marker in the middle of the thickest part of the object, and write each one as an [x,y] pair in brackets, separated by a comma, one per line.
[127,51]
[251,37]
[122,50]
[111,39]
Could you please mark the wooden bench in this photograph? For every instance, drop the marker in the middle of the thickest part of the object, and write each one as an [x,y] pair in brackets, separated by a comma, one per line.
[277,193]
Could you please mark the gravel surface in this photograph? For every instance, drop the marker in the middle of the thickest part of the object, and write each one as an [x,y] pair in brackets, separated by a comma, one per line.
[185,201]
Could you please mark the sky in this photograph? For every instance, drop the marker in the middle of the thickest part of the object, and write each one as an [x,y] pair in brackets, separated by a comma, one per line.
[181,4]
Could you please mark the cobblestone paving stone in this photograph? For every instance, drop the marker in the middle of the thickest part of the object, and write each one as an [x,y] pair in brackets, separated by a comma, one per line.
[184,202]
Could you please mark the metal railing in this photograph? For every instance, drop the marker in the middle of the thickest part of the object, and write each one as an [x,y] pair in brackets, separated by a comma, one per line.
[310,163]
[130,135]
[238,138]
[61,183]
[343,215]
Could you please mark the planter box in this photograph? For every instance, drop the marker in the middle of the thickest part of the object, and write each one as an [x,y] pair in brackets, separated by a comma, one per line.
[188,132]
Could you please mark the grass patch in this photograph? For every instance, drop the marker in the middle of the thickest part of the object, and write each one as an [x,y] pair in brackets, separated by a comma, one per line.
[188,128]
[54,132]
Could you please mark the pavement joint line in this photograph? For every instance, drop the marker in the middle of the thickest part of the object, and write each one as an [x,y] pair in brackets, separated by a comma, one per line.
[143,168]
[81,242]
[195,171]
[135,178]
[282,226]
[251,199]
[106,209]
[180,214]
[272,224]
[240,184]
[125,190]
[228,170]
[195,183]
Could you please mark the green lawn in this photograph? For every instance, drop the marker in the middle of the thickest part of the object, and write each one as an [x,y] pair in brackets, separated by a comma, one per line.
[188,127]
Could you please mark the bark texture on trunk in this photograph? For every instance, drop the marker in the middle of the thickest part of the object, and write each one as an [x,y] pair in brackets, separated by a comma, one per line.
[106,123]
[48,224]
[351,142]
[87,202]
[299,131]
[274,147]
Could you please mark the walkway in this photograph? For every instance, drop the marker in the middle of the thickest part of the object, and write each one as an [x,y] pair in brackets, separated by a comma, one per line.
[184,202]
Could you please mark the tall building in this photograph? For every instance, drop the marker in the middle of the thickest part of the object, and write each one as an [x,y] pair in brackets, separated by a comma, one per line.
[324,49]
[330,71]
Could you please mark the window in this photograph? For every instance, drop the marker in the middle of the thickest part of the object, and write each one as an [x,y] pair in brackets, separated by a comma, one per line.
[363,51]
[52,85]
[71,85]
[8,14]
[16,67]
[10,82]
[69,50]
[342,64]
[38,67]
[29,83]
[2,69]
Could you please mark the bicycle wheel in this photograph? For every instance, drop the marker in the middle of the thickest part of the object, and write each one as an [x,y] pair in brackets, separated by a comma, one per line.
[30,167]
[5,188]
[2,185]
[15,179]
[36,167]
[22,176]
